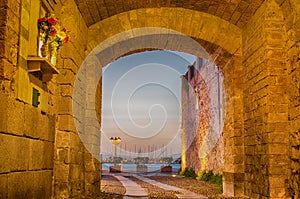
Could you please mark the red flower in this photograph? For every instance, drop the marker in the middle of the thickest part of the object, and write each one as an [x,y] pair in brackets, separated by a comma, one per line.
[66,40]
[47,14]
[40,20]
[52,21]
[53,33]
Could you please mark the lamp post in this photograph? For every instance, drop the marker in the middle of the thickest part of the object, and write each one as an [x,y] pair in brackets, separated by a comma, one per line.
[115,141]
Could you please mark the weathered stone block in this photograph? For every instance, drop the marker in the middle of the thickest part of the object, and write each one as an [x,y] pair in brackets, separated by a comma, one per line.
[36,184]
[12,115]
[31,122]
[13,18]
[51,128]
[277,192]
[76,156]
[65,76]
[63,155]
[43,183]
[89,164]
[76,186]
[69,64]
[278,137]
[3,186]
[11,48]
[48,155]
[250,140]
[43,127]
[61,189]
[62,139]
[36,155]
[66,123]
[277,127]
[14,153]
[278,160]
[278,149]
[75,141]
[277,170]
[76,171]
[66,90]
[238,160]
[8,69]
[228,186]
[20,185]
[90,177]
[68,52]
[61,172]
[64,105]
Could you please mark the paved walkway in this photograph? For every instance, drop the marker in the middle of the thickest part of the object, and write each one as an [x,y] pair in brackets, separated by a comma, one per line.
[133,190]
[183,193]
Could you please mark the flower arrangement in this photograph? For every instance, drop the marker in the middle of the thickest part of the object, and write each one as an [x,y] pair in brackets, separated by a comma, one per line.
[50,31]
[52,36]
[59,38]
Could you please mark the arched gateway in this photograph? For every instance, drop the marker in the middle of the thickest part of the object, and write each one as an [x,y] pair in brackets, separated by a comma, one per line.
[254,43]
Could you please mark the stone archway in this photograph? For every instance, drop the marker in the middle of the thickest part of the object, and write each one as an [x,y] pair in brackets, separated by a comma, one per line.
[226,53]
[229,59]
[197,25]
[231,55]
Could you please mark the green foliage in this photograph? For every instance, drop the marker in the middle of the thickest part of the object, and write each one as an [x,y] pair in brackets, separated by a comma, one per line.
[217,179]
[188,172]
[200,175]
[210,177]
[204,176]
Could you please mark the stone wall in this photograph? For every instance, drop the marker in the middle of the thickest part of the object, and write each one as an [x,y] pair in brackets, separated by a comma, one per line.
[9,37]
[26,148]
[190,136]
[76,171]
[255,107]
[266,104]
[224,139]
[26,132]
[290,11]
[42,158]
[233,132]
[202,117]
[210,92]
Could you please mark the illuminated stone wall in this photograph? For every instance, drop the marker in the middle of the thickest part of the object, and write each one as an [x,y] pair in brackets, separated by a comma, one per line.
[202,101]
[27,133]
[266,104]
[42,155]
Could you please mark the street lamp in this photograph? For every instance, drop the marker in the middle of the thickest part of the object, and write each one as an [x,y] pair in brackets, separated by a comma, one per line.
[115,141]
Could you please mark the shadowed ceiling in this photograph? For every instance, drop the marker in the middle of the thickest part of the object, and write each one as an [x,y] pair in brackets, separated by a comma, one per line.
[236,12]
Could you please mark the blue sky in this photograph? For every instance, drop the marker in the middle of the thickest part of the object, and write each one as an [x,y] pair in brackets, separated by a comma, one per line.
[142,100]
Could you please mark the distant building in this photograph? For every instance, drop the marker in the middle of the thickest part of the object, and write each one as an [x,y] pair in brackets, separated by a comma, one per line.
[202,120]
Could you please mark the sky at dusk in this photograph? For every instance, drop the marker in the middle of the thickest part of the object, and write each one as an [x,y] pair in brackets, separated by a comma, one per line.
[142,102]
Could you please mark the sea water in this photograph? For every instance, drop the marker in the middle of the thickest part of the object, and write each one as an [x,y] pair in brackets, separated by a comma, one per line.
[151,167]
